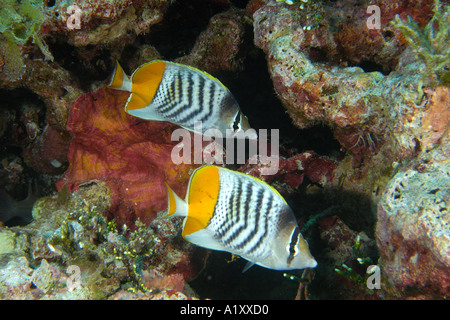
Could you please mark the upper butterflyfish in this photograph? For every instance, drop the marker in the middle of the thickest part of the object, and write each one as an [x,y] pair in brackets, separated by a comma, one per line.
[231,211]
[183,95]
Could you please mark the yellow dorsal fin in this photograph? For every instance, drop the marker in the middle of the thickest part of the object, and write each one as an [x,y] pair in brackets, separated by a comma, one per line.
[203,192]
[145,82]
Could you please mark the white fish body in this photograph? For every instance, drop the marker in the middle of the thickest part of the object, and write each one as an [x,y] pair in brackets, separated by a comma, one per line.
[168,91]
[230,211]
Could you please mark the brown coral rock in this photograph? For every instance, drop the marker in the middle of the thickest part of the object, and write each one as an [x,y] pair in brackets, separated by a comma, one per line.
[223,45]
[413,232]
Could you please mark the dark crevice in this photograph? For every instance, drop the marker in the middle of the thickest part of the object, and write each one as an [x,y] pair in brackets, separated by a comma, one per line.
[97,68]
[253,89]
[370,66]
[318,55]
[50,3]
[222,279]
[241,4]
[169,39]
[19,107]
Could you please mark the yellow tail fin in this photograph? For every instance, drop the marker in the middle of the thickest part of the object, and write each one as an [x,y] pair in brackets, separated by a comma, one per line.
[119,80]
[177,206]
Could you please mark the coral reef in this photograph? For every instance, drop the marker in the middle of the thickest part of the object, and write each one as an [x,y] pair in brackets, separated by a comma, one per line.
[413,231]
[432,45]
[37,42]
[292,170]
[48,154]
[383,121]
[70,251]
[131,155]
[224,44]
[348,253]
[20,21]
[344,98]
[362,100]
[103,22]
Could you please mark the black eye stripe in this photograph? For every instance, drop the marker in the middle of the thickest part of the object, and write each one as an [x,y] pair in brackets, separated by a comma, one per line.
[236,121]
[293,243]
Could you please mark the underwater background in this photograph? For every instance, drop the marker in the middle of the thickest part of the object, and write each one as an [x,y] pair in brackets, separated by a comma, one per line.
[359,91]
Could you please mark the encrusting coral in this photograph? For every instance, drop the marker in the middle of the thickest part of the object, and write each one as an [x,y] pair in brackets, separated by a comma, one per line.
[383,121]
[413,228]
[223,45]
[20,21]
[69,232]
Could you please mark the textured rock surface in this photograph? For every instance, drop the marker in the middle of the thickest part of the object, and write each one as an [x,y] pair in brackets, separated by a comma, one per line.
[370,136]
[223,45]
[133,156]
[413,229]
[70,251]
[382,120]
[103,21]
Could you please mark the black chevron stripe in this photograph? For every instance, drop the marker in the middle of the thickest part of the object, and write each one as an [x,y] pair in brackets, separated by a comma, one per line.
[191,116]
[232,216]
[242,227]
[170,101]
[187,96]
[266,217]
[211,95]
[228,219]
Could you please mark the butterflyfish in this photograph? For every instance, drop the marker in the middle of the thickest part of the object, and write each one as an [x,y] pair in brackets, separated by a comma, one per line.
[183,95]
[231,211]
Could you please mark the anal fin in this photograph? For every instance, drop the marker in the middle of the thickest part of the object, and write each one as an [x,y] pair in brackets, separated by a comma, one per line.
[204,239]
[248,266]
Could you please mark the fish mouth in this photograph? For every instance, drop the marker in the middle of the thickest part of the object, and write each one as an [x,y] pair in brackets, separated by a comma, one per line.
[312,263]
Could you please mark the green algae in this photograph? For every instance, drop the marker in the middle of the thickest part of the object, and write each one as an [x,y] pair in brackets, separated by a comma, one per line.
[20,21]
[432,44]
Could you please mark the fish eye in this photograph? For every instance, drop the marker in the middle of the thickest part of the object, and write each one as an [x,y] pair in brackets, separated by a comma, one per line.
[291,247]
[237,122]
[291,250]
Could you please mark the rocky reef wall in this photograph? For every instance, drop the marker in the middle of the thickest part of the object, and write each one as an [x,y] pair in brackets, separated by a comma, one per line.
[361,99]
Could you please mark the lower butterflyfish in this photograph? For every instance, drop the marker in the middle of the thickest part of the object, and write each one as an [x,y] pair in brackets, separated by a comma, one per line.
[183,95]
[231,211]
